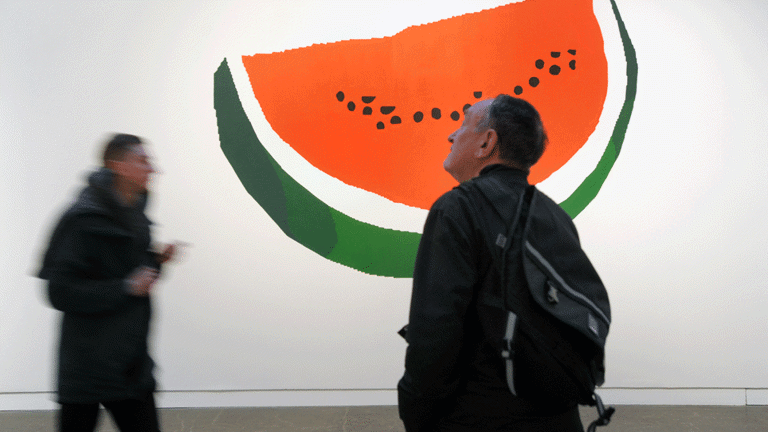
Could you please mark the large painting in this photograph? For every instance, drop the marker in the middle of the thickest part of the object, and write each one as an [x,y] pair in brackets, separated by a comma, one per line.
[375,114]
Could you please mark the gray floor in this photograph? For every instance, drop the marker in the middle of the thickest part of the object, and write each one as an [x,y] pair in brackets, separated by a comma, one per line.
[381,419]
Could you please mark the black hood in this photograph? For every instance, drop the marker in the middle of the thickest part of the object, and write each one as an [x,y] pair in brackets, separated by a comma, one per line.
[100,196]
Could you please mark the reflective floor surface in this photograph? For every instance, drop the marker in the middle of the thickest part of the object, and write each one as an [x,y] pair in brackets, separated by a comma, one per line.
[628,418]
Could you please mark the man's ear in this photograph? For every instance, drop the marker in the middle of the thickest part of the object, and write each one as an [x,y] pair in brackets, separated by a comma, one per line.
[114,165]
[489,144]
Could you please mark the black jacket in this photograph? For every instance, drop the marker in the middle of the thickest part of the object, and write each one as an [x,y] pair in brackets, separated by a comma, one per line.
[454,380]
[103,352]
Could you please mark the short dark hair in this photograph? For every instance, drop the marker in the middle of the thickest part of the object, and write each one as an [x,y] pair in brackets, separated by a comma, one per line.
[522,138]
[118,145]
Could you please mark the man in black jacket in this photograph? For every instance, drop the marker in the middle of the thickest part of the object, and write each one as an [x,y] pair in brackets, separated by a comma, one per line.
[454,379]
[100,272]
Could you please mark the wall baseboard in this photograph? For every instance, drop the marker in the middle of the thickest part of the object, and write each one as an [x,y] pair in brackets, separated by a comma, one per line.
[43,401]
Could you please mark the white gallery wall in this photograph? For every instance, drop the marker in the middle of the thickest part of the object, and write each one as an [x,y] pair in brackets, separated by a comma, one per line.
[250,317]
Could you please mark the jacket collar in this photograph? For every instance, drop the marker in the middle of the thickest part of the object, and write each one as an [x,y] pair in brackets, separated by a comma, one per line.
[100,195]
[506,172]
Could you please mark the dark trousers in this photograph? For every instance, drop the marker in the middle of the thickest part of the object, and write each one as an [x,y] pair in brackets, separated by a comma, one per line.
[129,415]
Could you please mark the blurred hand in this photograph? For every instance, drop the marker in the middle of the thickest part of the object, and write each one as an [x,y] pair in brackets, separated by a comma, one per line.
[170,252]
[141,280]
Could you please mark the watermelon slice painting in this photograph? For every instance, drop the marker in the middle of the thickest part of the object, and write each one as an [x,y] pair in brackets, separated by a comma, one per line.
[375,114]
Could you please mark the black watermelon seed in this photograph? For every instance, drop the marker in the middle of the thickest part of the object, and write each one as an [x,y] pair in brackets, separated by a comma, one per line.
[455,116]
[572,64]
[395,120]
[518,90]
[478,95]
[466,107]
[351,106]
[387,109]
[554,69]
[555,54]
[367,111]
[533,81]
[419,116]
[539,64]
[379,125]
[572,52]
[340,96]
[436,113]
[368,99]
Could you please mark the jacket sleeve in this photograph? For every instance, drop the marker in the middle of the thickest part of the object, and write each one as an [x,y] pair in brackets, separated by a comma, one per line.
[73,282]
[444,280]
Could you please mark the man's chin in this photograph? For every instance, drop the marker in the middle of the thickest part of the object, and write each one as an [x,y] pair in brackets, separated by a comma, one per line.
[447,165]
[449,169]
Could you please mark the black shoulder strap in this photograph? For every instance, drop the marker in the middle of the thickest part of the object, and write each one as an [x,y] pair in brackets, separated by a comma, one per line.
[504,242]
